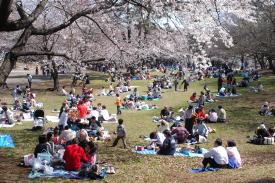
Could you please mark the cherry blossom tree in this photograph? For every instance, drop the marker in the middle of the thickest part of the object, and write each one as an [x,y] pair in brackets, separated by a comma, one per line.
[121,30]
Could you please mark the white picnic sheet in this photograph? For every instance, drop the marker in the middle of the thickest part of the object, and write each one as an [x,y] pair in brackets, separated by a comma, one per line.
[7,125]
[53,119]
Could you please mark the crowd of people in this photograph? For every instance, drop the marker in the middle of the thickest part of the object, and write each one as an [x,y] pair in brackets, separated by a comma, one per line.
[72,143]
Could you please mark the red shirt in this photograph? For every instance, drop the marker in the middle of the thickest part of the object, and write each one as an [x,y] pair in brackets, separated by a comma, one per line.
[82,110]
[193,98]
[201,114]
[73,156]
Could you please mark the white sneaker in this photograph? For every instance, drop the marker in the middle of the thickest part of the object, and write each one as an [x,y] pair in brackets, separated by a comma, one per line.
[112,170]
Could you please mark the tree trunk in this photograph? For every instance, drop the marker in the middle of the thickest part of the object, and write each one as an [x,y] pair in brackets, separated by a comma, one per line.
[271,64]
[11,58]
[6,67]
[55,76]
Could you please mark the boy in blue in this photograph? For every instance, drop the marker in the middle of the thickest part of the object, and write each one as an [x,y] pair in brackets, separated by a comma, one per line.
[121,134]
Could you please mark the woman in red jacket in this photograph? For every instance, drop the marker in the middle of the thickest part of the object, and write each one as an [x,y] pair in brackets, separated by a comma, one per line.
[74,155]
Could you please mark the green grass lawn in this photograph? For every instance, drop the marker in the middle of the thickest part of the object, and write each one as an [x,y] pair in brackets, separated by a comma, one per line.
[243,118]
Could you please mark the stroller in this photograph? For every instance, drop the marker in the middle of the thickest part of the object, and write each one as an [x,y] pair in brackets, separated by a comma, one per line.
[38,119]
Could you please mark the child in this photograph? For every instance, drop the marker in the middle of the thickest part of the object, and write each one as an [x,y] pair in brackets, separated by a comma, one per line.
[118,104]
[121,133]
[233,155]
[91,149]
[55,138]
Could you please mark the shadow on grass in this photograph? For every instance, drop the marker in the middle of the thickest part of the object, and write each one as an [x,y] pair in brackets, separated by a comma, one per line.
[266,180]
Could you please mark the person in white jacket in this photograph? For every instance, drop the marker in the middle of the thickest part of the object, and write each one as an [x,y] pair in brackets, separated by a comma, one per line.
[63,119]
[217,157]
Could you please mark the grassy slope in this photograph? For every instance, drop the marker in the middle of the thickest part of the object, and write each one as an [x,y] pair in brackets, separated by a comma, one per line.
[242,113]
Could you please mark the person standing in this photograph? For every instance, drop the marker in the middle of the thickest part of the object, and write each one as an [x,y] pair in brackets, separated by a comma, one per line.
[36,70]
[220,82]
[118,104]
[185,84]
[29,77]
[176,82]
[121,134]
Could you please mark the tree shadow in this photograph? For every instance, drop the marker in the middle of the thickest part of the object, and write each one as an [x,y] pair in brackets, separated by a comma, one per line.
[265,180]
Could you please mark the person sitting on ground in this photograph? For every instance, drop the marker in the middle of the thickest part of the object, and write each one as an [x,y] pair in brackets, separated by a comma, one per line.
[94,113]
[42,147]
[222,91]
[208,97]
[164,113]
[95,127]
[201,100]
[201,129]
[50,142]
[217,157]
[200,113]
[111,90]
[90,150]
[135,95]
[7,115]
[272,110]
[157,139]
[205,87]
[221,114]
[244,83]
[260,87]
[125,88]
[26,106]
[104,114]
[55,138]
[213,116]
[67,135]
[74,155]
[180,134]
[82,110]
[264,109]
[83,138]
[102,92]
[234,158]
[262,131]
[169,144]
[193,98]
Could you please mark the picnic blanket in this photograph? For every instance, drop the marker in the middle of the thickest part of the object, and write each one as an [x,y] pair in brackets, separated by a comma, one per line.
[27,117]
[53,119]
[208,169]
[7,125]
[64,174]
[6,141]
[185,154]
[227,96]
[110,122]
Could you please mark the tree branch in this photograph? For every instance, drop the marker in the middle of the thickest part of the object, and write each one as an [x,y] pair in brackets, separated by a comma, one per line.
[112,41]
[26,22]
[70,21]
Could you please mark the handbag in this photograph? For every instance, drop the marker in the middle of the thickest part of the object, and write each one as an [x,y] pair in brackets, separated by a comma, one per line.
[28,159]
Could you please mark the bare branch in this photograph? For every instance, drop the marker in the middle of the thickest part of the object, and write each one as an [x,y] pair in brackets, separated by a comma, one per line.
[26,22]
[74,17]
[112,41]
